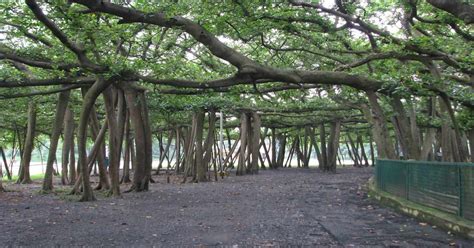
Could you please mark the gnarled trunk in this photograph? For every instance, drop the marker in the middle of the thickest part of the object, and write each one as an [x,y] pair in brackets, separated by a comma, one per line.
[114,136]
[255,141]
[53,145]
[127,155]
[198,155]
[334,145]
[95,128]
[67,149]
[381,135]
[324,157]
[138,115]
[87,105]
[9,175]
[24,176]
[243,144]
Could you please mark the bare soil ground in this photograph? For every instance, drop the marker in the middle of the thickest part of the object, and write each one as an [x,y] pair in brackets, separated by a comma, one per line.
[297,207]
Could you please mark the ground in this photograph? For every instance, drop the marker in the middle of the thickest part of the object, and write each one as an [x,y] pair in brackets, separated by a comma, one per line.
[298,207]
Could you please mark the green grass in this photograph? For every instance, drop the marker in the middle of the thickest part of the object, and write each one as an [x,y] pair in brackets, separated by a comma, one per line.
[33,177]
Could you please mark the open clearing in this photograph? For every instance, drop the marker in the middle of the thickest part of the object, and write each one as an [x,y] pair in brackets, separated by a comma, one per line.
[275,208]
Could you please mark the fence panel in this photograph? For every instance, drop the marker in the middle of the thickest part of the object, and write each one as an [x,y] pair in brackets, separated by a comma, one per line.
[393,178]
[467,192]
[435,186]
[448,187]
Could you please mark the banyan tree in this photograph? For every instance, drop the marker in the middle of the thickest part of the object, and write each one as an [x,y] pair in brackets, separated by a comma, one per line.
[123,89]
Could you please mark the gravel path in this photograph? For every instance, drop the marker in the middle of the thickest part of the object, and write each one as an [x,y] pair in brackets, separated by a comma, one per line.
[298,207]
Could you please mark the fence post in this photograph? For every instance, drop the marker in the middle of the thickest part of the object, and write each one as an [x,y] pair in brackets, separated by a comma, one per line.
[379,175]
[461,193]
[407,180]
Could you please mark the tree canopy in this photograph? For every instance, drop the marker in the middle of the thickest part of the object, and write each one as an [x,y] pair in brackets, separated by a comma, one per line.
[398,71]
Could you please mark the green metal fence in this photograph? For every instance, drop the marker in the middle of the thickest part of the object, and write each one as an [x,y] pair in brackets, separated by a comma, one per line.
[448,187]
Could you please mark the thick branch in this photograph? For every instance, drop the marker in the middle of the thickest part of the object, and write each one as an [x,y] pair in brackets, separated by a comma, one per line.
[5,54]
[458,8]
[245,65]
[40,93]
[46,82]
[79,51]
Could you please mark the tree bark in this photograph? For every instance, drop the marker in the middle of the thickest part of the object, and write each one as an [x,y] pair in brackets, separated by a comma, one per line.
[94,151]
[282,150]
[372,150]
[409,147]
[178,149]
[461,9]
[9,175]
[24,177]
[95,128]
[87,105]
[380,131]
[148,135]
[324,156]
[208,144]
[243,144]
[362,150]
[67,147]
[114,133]
[316,147]
[126,159]
[72,162]
[273,136]
[138,115]
[199,163]
[334,145]
[255,137]
[53,145]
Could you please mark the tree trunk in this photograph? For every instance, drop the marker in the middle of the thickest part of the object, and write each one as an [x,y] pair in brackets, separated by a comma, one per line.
[372,150]
[306,148]
[316,147]
[415,131]
[243,144]
[189,150]
[126,159]
[24,177]
[72,162]
[409,147]
[95,128]
[324,156]
[334,145]
[9,175]
[53,145]
[362,150]
[148,135]
[138,115]
[282,150]
[66,149]
[87,105]
[209,139]
[354,151]
[178,149]
[114,133]
[380,130]
[273,162]
[255,137]
[199,163]
[91,158]
[162,155]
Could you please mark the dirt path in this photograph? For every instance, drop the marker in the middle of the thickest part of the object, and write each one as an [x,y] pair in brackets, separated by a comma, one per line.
[285,207]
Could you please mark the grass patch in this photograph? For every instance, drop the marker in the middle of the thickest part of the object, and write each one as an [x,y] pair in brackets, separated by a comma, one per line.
[15,178]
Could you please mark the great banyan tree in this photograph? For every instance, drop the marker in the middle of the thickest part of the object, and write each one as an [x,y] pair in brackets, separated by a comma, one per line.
[221,85]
